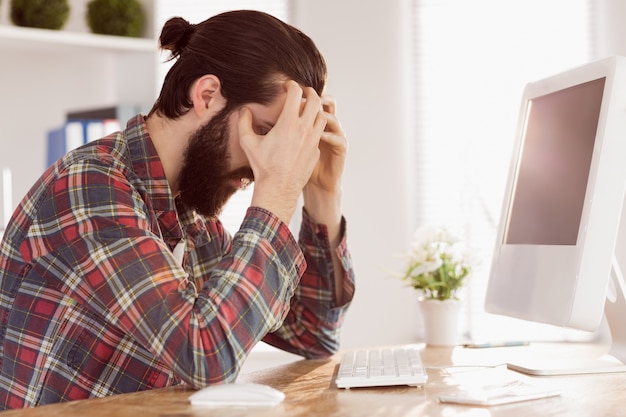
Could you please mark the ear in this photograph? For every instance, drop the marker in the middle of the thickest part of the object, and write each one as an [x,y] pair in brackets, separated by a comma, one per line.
[206,95]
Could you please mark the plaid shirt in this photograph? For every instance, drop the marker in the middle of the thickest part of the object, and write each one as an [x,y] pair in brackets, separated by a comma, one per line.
[94,302]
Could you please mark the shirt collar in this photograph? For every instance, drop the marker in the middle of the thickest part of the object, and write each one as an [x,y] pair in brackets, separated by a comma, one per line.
[147,165]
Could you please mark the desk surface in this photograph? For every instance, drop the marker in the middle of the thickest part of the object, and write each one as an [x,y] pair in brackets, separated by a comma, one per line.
[310,391]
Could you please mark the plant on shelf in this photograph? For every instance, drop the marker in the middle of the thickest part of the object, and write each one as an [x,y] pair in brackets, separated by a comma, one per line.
[116,17]
[43,14]
[438,263]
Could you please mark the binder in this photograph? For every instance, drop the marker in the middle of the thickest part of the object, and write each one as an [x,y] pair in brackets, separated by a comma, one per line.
[83,126]
[63,139]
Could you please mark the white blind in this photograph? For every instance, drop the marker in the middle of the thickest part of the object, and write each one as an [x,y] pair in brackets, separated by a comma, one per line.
[196,11]
[472,60]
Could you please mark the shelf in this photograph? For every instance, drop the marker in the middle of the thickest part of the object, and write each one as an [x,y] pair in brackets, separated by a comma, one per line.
[19,38]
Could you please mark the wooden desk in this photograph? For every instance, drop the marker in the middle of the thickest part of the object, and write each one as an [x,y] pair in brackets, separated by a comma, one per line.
[310,391]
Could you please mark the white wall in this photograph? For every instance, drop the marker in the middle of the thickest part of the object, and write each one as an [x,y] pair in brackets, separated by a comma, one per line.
[365,44]
[611,35]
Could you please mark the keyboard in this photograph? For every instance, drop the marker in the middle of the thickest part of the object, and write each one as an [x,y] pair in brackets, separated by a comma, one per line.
[381,367]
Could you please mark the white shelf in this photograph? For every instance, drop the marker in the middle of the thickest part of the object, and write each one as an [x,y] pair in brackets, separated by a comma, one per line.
[19,38]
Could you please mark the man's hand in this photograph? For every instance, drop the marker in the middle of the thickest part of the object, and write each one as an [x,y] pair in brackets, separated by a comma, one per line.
[326,176]
[322,194]
[284,158]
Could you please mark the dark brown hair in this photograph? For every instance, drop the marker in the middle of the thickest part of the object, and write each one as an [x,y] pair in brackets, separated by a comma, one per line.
[247,50]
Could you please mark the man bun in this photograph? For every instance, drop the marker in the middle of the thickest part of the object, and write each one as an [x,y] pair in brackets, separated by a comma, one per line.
[175,36]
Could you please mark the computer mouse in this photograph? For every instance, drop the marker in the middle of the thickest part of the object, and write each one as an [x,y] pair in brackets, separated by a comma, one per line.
[237,394]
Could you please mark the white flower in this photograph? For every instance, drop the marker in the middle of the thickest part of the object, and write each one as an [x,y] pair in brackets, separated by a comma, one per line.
[438,262]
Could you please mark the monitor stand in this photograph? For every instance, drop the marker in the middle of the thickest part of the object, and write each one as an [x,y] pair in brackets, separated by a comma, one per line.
[614,361]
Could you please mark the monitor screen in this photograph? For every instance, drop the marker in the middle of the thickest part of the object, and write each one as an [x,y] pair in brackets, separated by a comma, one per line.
[555,254]
[559,135]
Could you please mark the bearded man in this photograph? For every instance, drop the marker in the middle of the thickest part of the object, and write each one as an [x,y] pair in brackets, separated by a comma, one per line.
[116,274]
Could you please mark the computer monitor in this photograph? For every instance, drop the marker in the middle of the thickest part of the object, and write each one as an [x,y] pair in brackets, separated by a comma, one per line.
[562,234]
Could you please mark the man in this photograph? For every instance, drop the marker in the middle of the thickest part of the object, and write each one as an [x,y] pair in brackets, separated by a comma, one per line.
[115,272]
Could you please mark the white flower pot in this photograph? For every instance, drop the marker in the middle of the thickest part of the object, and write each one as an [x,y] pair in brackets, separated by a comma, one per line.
[441,321]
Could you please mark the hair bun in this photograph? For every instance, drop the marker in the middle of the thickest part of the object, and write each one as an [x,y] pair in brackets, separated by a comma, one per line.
[176,35]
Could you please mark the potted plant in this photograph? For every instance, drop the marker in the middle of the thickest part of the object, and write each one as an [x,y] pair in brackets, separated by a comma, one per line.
[43,14]
[116,17]
[438,265]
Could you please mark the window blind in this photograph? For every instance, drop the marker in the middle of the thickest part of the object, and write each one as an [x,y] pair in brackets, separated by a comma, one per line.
[471,62]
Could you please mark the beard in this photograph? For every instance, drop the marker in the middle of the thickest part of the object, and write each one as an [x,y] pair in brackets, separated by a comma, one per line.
[206,183]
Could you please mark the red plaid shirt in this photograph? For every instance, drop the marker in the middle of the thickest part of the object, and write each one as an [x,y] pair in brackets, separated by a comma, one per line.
[93,301]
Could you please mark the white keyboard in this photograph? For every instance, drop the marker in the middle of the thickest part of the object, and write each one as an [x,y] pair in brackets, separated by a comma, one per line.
[381,367]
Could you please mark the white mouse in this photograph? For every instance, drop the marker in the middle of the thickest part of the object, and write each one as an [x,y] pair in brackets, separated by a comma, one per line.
[239,394]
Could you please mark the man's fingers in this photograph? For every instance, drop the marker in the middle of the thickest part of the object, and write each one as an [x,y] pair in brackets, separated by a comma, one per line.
[320,123]
[312,104]
[244,125]
[329,105]
[291,107]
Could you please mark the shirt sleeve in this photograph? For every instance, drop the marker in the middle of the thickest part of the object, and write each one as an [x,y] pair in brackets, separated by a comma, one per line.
[120,268]
[312,326]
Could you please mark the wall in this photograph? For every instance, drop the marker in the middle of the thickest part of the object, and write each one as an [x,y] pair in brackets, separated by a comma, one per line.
[366,46]
[611,28]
